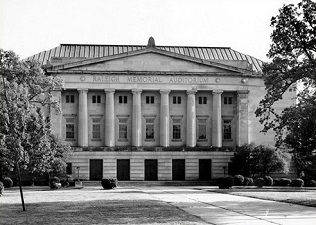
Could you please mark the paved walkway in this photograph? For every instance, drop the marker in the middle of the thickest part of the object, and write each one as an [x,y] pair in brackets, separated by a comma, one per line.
[217,208]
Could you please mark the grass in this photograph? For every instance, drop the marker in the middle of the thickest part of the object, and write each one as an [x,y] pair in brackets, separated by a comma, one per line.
[89,205]
[301,196]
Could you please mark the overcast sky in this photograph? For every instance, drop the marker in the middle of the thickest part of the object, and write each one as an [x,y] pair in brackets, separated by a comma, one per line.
[32,26]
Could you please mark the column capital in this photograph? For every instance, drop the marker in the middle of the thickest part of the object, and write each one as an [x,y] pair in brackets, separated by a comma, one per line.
[109,90]
[191,92]
[162,91]
[82,90]
[135,91]
[217,92]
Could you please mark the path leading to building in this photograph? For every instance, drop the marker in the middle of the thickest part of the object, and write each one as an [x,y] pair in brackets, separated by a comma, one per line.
[217,208]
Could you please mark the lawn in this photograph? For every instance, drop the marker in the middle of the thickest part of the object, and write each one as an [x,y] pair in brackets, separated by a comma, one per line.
[301,196]
[90,205]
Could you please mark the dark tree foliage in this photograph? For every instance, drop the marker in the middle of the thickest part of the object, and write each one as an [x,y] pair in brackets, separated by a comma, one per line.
[26,137]
[292,52]
[251,160]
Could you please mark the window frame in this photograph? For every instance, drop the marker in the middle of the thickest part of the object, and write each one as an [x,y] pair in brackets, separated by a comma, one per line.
[69,98]
[150,121]
[177,128]
[122,123]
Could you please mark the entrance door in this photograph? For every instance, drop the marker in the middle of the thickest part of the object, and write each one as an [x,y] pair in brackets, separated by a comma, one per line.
[151,169]
[205,169]
[123,169]
[96,169]
[178,169]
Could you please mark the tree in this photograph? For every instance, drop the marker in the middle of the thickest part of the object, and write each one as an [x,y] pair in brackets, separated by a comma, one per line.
[240,162]
[296,129]
[265,160]
[25,134]
[252,160]
[293,52]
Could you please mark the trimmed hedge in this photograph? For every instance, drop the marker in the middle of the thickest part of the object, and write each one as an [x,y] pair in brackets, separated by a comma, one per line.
[297,183]
[310,183]
[284,182]
[239,180]
[109,183]
[54,183]
[268,181]
[259,182]
[248,181]
[225,182]
[7,182]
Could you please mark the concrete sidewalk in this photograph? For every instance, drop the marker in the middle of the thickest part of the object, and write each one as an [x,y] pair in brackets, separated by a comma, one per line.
[217,208]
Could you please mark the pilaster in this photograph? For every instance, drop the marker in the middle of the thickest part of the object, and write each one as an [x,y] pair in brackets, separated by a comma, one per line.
[242,113]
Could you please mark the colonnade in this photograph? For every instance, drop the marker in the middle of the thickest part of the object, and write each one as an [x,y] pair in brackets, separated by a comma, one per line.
[242,114]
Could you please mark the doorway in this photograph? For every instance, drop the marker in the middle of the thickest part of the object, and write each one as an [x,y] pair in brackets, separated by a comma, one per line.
[151,169]
[123,169]
[205,169]
[178,169]
[96,169]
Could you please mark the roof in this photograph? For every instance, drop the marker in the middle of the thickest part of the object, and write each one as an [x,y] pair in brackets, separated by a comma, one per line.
[96,51]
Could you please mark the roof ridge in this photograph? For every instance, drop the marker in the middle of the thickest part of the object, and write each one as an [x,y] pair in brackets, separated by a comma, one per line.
[169,46]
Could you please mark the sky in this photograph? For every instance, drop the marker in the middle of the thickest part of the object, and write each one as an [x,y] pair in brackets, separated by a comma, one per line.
[29,27]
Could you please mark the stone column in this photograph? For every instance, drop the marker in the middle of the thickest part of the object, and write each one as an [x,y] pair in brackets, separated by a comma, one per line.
[109,118]
[164,118]
[137,119]
[56,115]
[191,119]
[217,119]
[242,113]
[83,118]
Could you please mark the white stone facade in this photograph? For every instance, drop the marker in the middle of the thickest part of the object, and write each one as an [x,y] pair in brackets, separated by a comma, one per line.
[151,104]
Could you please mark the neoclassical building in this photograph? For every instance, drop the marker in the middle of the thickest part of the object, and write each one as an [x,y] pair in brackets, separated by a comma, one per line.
[155,112]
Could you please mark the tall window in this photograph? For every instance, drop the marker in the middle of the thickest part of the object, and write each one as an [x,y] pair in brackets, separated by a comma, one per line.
[176,100]
[122,99]
[202,128]
[96,128]
[228,100]
[96,99]
[150,128]
[70,128]
[150,99]
[176,128]
[70,99]
[227,129]
[202,100]
[122,128]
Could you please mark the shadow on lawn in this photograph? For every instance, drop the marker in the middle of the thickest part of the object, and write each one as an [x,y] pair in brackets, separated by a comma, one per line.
[96,212]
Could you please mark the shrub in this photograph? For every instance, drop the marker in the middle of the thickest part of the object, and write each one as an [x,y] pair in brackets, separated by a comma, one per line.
[248,181]
[268,181]
[276,182]
[109,183]
[239,180]
[7,182]
[259,182]
[310,183]
[1,188]
[54,183]
[284,182]
[225,182]
[297,183]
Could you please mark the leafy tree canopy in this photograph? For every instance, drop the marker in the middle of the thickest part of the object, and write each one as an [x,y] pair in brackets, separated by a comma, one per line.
[292,52]
[25,133]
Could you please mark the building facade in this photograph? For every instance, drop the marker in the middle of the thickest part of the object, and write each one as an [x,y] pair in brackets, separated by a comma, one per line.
[155,112]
